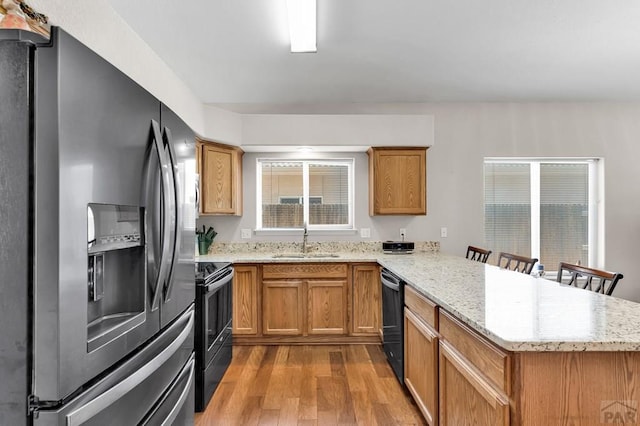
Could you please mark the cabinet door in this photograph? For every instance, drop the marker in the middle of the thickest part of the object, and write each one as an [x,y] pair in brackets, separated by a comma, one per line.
[245,300]
[282,308]
[397,181]
[365,318]
[221,180]
[327,307]
[466,397]
[198,157]
[421,365]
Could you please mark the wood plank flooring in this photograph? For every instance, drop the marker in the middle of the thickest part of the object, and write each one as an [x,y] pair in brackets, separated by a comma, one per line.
[310,385]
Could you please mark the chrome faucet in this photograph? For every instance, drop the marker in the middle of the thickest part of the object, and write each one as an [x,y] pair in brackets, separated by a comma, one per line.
[304,238]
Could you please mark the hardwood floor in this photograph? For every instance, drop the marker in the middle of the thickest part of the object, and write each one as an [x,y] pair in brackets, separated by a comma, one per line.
[310,385]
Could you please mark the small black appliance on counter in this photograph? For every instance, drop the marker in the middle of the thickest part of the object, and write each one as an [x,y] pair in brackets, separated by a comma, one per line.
[397,247]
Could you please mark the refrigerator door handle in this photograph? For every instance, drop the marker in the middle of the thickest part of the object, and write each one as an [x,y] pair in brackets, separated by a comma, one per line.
[166,208]
[113,394]
[197,195]
[177,208]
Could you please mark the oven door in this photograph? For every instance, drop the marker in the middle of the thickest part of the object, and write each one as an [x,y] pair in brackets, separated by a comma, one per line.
[216,314]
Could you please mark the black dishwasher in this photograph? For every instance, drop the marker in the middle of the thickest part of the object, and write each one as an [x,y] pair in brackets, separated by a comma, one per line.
[393,321]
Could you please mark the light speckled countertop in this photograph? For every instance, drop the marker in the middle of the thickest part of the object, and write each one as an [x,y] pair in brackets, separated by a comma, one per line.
[517,312]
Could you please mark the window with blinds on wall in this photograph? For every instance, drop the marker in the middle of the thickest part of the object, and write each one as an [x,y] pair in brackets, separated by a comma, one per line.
[542,208]
[316,192]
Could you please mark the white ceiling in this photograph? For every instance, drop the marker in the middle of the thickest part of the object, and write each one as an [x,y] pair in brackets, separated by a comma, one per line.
[235,53]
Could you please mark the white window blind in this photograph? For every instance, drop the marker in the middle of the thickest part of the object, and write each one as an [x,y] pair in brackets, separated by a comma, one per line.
[318,192]
[564,206]
[541,208]
[281,181]
[507,203]
[330,182]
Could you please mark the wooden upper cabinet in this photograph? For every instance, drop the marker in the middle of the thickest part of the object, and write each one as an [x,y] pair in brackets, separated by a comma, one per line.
[397,181]
[220,168]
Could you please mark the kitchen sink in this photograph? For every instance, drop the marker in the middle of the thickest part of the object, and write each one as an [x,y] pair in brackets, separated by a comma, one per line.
[304,255]
[320,255]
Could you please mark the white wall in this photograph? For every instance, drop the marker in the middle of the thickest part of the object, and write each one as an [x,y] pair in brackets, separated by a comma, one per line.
[222,125]
[465,133]
[331,129]
[97,25]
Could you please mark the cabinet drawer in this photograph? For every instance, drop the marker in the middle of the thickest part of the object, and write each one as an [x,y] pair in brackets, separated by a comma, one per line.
[421,365]
[305,270]
[466,396]
[493,362]
[421,306]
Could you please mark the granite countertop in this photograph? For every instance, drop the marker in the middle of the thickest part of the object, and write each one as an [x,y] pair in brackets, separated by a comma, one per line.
[518,312]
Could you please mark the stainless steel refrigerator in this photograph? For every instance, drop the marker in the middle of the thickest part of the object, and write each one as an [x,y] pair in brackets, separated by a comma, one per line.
[97,217]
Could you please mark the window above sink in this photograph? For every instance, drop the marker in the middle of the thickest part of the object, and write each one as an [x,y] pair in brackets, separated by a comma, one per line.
[293,192]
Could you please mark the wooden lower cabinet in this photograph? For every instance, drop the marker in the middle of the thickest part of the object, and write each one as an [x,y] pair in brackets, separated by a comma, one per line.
[283,307]
[466,396]
[304,307]
[366,305]
[245,300]
[480,383]
[321,302]
[327,307]
[455,376]
[305,299]
[421,365]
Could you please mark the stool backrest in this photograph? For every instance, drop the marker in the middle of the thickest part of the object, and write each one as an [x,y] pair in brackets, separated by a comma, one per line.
[516,262]
[478,254]
[588,278]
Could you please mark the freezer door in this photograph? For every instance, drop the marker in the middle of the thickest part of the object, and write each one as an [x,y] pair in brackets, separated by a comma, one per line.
[154,382]
[92,129]
[179,288]
[176,407]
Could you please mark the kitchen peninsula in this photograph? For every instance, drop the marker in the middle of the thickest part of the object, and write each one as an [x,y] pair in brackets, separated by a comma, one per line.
[508,348]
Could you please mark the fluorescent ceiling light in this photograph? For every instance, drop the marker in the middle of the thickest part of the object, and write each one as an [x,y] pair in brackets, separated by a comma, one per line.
[302,25]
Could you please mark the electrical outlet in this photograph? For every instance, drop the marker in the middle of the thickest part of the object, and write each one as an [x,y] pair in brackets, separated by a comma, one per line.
[403,233]
[245,234]
[365,233]
[443,232]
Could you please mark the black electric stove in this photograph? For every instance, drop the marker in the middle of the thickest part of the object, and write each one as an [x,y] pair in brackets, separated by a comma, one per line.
[213,338]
